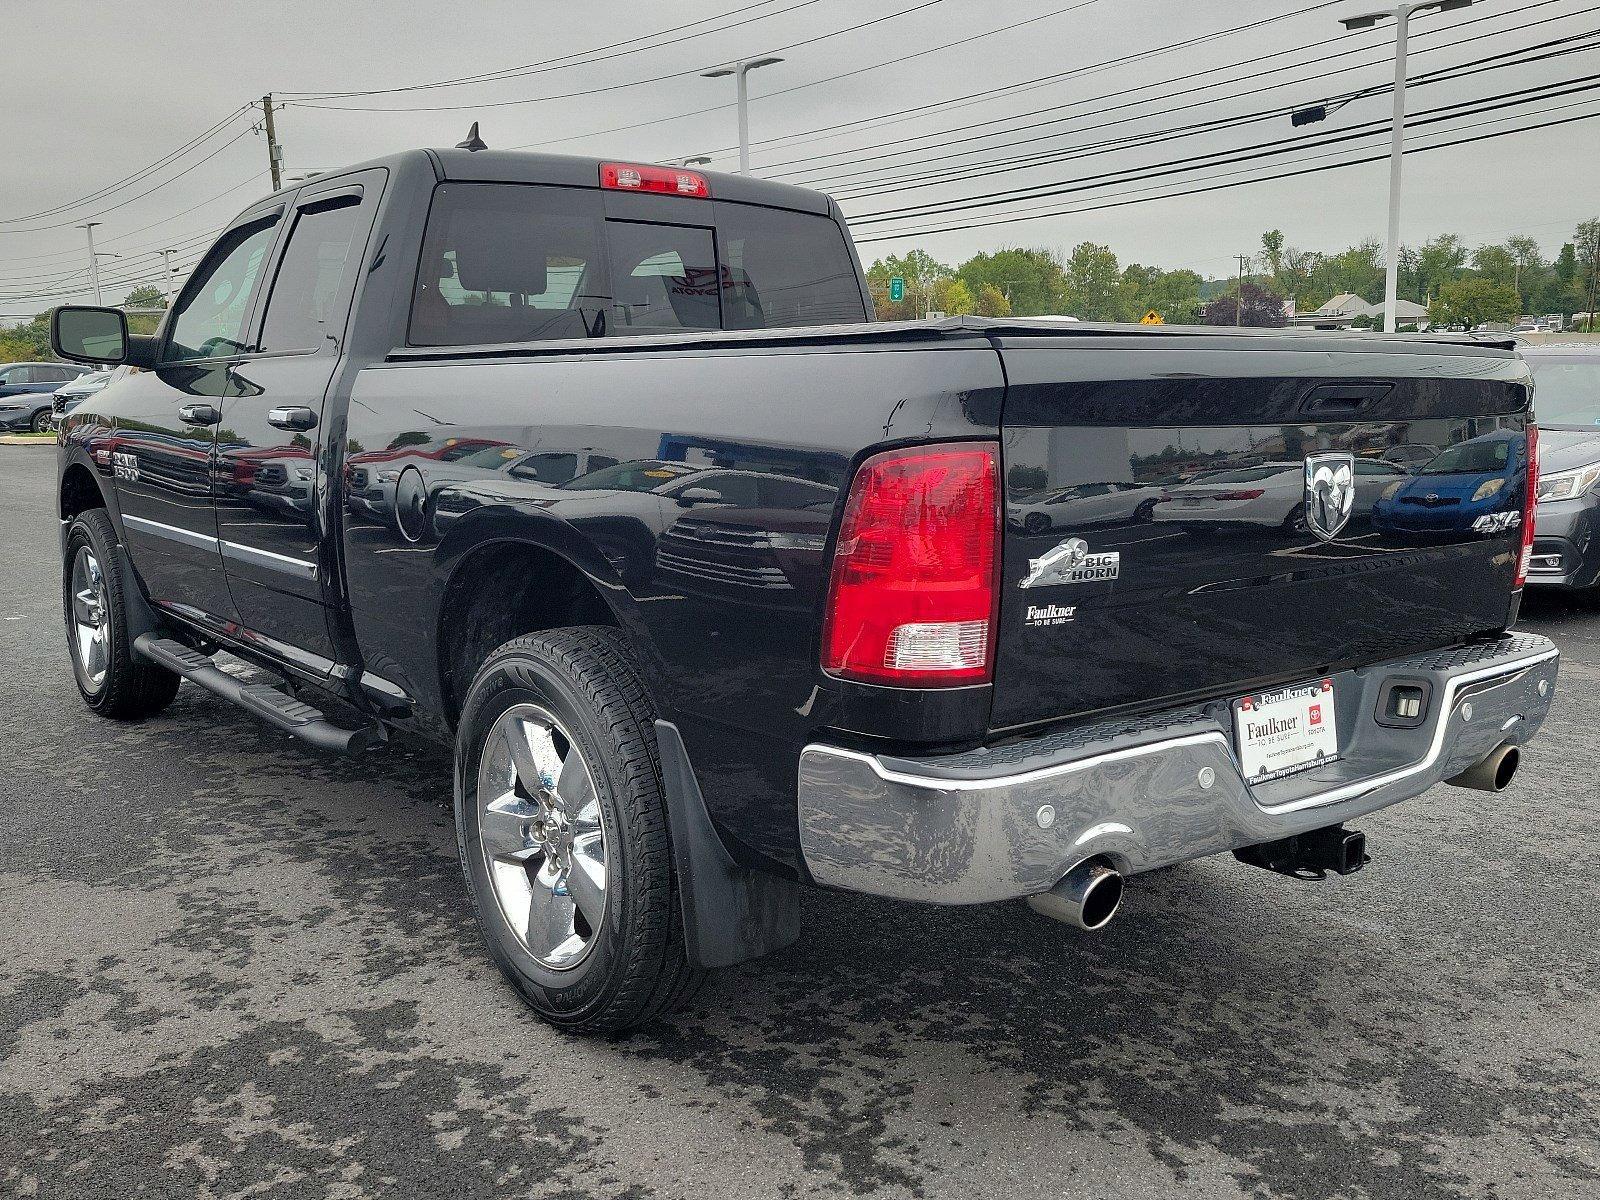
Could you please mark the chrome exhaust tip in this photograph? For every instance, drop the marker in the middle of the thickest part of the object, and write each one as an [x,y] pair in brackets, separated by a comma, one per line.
[1494,772]
[1087,897]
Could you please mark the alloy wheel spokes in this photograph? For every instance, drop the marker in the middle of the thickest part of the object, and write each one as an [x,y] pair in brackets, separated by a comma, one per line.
[542,835]
[89,617]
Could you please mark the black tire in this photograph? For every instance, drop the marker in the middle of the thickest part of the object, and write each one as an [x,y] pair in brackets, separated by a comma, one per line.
[41,421]
[131,688]
[634,967]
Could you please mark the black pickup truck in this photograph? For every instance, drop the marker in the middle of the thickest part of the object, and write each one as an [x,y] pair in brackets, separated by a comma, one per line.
[602,473]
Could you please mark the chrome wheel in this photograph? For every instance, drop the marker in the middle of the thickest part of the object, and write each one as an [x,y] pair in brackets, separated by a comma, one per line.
[542,836]
[91,639]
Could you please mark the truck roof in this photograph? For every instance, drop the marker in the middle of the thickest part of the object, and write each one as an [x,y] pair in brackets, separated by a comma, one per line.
[573,170]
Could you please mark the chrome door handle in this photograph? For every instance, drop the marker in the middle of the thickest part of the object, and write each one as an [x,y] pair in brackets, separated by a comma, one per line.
[199,414]
[295,419]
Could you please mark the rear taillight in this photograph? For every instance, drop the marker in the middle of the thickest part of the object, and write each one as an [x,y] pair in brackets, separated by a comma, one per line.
[637,177]
[914,588]
[1530,501]
[1242,494]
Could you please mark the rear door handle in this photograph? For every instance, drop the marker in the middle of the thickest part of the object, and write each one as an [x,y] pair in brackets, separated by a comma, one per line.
[295,419]
[199,414]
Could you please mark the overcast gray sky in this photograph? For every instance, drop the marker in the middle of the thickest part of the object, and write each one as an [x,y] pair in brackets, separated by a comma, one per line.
[93,92]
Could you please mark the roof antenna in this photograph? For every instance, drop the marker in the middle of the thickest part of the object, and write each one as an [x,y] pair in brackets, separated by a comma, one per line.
[473,142]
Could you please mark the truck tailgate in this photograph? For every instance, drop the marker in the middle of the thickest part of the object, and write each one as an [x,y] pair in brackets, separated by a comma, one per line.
[1158,544]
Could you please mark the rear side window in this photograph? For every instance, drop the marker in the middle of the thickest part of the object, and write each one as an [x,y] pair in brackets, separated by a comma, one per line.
[508,263]
[515,262]
[305,306]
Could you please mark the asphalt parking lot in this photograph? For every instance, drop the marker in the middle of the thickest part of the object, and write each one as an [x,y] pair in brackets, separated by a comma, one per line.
[230,966]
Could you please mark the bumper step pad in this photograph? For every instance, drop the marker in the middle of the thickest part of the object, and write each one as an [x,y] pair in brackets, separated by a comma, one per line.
[268,703]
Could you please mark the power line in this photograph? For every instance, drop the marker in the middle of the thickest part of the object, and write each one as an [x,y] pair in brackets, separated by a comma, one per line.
[824,129]
[1206,78]
[615,87]
[578,58]
[898,183]
[1009,90]
[1111,199]
[1116,202]
[124,203]
[134,177]
[1267,149]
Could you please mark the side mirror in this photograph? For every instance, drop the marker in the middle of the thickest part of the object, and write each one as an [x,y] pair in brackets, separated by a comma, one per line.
[698,495]
[90,335]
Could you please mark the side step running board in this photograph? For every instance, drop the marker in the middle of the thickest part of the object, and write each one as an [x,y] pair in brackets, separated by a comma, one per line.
[268,703]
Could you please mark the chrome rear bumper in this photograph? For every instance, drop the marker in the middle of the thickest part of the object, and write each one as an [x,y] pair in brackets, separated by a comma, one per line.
[1149,791]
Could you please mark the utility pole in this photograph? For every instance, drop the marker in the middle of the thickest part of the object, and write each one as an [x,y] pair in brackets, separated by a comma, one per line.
[739,70]
[1238,307]
[94,263]
[166,275]
[274,151]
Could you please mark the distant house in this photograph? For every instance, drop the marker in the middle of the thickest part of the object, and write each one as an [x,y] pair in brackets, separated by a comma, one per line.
[1344,308]
[1337,313]
[1406,312]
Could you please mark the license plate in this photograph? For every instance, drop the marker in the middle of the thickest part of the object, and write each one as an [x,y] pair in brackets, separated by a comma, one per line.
[1289,730]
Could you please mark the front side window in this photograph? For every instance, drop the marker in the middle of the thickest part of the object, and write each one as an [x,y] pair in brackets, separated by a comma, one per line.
[211,314]
[305,305]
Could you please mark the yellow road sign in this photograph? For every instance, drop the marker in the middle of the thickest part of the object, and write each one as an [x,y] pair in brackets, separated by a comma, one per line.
[1151,318]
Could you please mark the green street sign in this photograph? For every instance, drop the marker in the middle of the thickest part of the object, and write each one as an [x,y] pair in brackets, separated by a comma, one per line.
[897,288]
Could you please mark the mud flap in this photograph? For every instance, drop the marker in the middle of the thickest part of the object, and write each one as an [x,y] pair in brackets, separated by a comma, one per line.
[730,913]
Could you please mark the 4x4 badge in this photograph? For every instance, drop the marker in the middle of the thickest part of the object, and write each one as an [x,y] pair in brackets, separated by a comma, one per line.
[1071,562]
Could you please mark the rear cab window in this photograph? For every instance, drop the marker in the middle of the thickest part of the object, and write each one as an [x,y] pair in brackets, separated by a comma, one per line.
[506,262]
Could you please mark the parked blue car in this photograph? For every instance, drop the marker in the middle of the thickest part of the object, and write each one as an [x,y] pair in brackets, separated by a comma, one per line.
[26,392]
[1473,485]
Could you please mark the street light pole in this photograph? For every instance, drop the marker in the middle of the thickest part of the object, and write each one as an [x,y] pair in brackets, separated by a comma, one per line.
[739,70]
[1402,20]
[94,264]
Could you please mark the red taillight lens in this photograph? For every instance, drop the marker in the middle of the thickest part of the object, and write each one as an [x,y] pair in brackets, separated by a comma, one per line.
[1530,501]
[637,177]
[912,597]
[1242,494]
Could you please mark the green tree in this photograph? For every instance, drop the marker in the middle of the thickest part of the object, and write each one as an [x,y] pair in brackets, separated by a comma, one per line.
[28,341]
[920,270]
[1294,278]
[1272,251]
[1031,280]
[1586,282]
[1472,302]
[1532,270]
[1173,294]
[1092,284]
[1358,269]
[951,296]
[1496,264]
[1440,259]
[992,302]
[146,295]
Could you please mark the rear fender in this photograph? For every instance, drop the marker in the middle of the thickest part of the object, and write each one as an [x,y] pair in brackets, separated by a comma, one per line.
[505,523]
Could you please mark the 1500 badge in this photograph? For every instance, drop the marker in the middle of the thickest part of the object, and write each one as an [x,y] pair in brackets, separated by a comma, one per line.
[1071,562]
